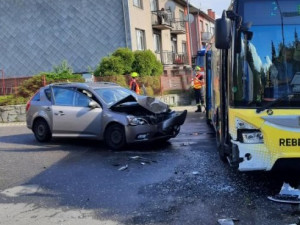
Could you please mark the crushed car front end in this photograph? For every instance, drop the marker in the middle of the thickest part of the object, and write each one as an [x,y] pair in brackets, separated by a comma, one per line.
[154,127]
[149,119]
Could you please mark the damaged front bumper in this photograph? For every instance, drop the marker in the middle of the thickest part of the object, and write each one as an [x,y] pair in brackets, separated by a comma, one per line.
[168,128]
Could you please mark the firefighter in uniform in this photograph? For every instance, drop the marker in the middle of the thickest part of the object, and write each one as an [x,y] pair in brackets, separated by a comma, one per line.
[133,84]
[198,85]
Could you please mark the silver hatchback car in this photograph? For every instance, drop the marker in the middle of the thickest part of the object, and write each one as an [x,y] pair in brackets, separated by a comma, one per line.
[103,111]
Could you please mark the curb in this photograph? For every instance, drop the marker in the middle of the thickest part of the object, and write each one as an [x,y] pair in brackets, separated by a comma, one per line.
[12,124]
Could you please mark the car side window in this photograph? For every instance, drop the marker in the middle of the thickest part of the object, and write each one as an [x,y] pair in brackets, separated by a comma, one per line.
[81,100]
[63,96]
[36,97]
[48,94]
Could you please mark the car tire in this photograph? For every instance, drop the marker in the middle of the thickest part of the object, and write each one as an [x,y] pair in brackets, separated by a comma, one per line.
[41,131]
[115,136]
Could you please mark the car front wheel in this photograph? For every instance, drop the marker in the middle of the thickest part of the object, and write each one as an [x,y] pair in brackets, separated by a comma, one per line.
[41,131]
[115,136]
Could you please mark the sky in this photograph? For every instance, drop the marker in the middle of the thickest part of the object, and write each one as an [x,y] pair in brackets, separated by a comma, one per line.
[216,5]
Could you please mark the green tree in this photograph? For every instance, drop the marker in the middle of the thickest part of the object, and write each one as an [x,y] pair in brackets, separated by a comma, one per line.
[127,58]
[145,63]
[112,65]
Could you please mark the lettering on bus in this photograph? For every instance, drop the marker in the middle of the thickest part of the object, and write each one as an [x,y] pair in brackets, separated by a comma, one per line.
[289,141]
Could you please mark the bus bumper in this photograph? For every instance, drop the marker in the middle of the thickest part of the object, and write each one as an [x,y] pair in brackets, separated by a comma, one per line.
[253,157]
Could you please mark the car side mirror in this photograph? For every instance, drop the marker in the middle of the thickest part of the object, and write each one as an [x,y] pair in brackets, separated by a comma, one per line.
[93,105]
[223,32]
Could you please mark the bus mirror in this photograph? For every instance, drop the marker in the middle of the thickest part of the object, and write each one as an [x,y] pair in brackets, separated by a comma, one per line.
[222,32]
[248,35]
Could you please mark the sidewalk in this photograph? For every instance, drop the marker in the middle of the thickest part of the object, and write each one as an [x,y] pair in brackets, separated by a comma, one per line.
[189,108]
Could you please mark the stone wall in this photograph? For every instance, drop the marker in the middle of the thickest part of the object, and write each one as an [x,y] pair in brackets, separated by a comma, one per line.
[176,99]
[12,113]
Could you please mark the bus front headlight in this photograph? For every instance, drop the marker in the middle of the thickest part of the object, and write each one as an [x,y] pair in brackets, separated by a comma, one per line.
[252,137]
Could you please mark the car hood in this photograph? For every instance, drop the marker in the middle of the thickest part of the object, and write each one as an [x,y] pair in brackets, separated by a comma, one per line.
[151,104]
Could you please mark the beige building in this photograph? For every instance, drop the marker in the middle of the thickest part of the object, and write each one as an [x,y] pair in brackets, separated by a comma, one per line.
[154,26]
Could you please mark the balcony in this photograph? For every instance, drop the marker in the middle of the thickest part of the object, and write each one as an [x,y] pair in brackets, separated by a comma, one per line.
[161,20]
[178,27]
[206,36]
[172,58]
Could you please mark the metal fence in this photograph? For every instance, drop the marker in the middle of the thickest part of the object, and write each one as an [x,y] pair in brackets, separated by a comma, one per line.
[169,58]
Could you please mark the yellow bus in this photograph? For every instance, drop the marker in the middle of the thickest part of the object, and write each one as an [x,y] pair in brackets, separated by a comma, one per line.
[253,93]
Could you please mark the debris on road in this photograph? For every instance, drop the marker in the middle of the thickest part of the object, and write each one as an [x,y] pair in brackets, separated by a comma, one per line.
[123,168]
[195,172]
[22,190]
[227,221]
[185,144]
[142,159]
[287,194]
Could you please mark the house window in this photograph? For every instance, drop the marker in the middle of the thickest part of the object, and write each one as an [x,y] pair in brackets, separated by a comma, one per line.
[201,26]
[174,43]
[181,17]
[156,38]
[184,47]
[140,39]
[138,3]
[153,5]
[207,30]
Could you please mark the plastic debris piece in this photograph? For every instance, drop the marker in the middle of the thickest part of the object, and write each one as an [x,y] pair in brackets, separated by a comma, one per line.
[185,144]
[142,163]
[142,159]
[123,168]
[287,194]
[226,221]
[195,173]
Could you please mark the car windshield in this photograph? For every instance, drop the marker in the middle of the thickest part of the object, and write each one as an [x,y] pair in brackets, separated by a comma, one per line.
[113,95]
[268,66]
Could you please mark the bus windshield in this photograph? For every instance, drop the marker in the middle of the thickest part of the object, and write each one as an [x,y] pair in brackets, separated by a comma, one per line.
[268,66]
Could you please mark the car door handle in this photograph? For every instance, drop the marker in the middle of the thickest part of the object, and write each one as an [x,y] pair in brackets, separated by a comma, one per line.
[60,113]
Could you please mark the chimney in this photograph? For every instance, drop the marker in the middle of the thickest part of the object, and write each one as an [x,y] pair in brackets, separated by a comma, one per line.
[211,13]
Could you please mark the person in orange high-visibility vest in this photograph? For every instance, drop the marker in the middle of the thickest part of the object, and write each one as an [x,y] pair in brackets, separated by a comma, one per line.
[134,86]
[198,85]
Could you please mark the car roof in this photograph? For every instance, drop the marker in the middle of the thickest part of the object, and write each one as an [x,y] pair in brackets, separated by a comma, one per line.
[93,85]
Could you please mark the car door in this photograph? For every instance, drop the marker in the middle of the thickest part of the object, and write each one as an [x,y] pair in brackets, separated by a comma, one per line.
[72,115]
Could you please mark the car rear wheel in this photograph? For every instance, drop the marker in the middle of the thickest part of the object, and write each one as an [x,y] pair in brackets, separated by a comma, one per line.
[115,136]
[41,130]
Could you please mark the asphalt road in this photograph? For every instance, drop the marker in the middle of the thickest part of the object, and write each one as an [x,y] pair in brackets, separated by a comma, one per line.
[69,181]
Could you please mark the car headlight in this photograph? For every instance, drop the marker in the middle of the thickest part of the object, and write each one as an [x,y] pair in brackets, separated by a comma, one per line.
[252,137]
[134,121]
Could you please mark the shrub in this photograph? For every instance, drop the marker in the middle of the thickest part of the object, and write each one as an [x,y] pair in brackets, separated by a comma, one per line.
[112,65]
[12,100]
[62,77]
[145,63]
[64,67]
[127,58]
[149,91]
[120,80]
[152,82]
[30,86]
